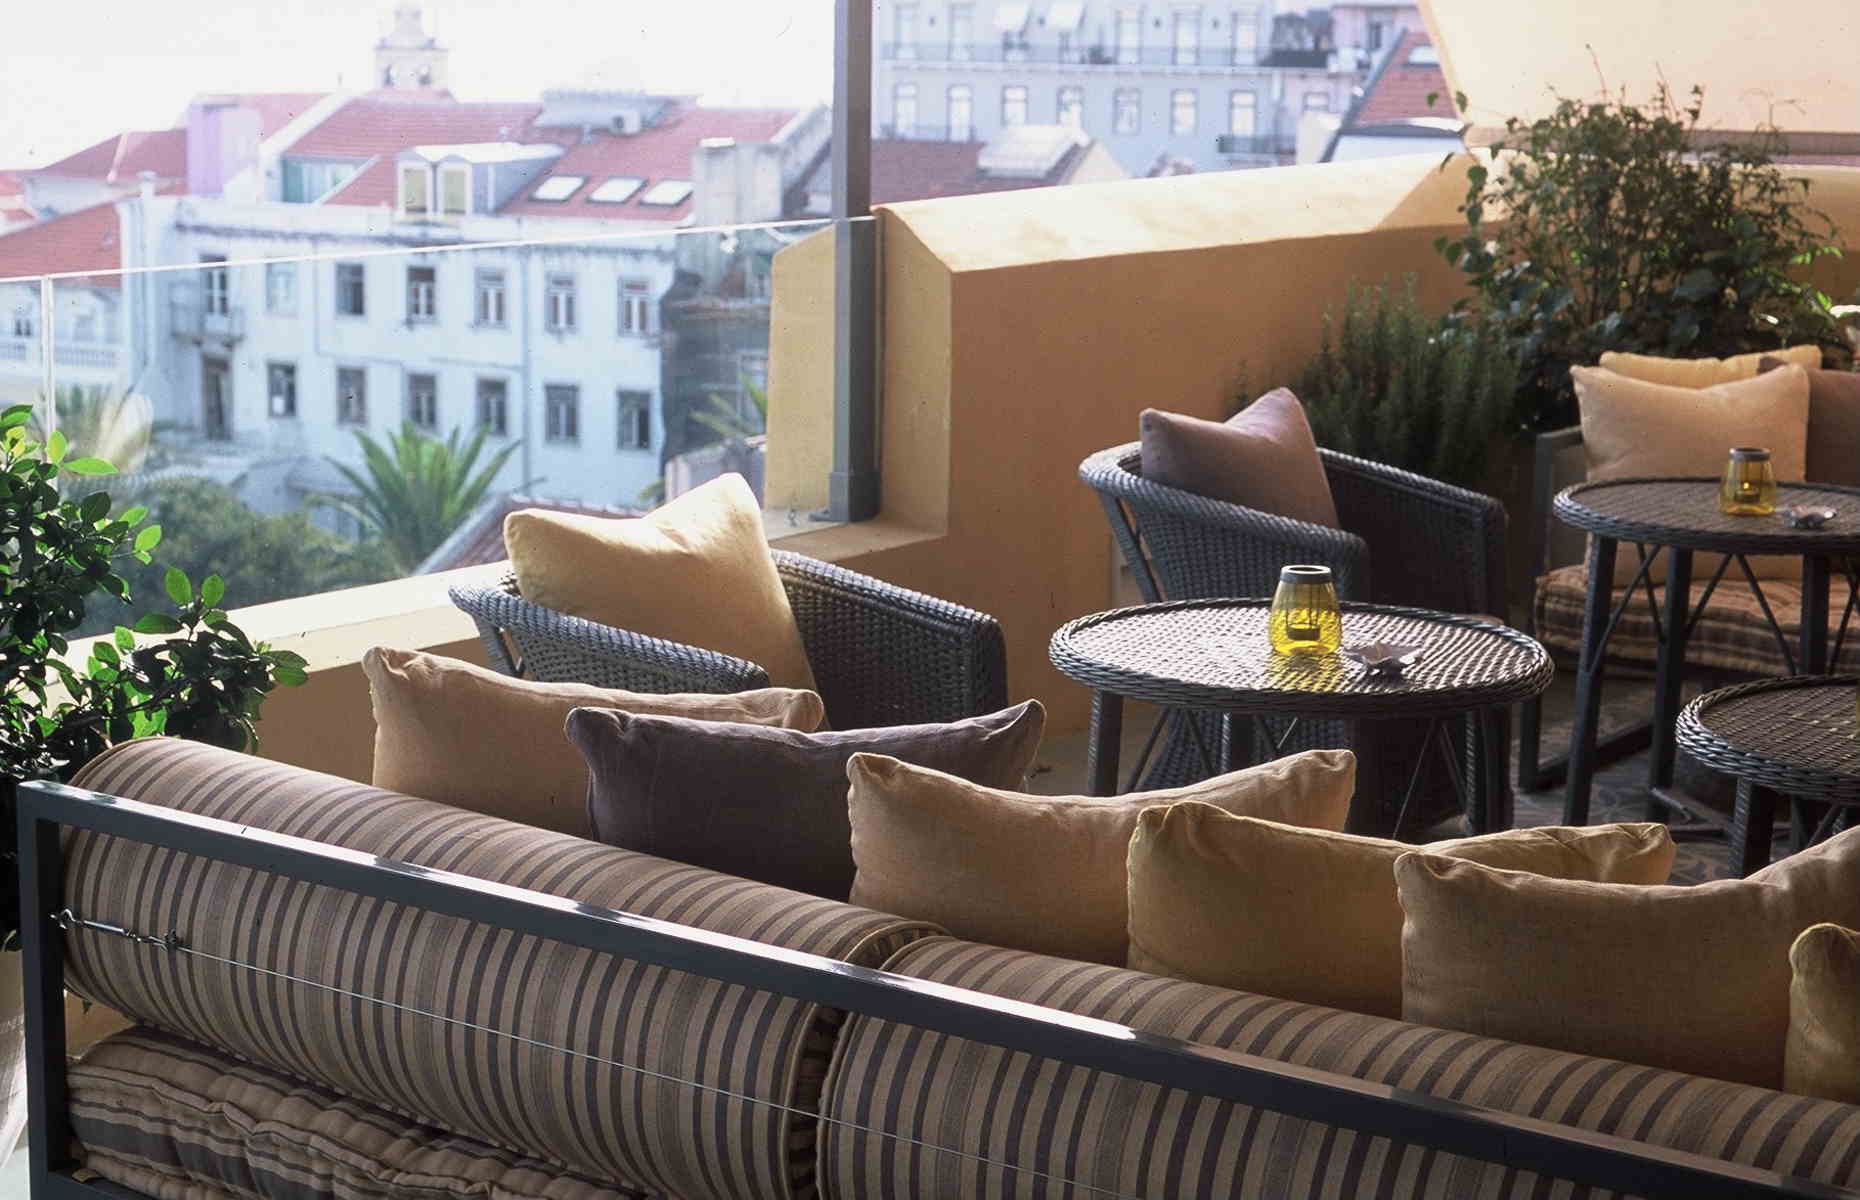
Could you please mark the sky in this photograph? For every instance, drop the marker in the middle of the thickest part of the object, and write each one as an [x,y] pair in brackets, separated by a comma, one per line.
[75,72]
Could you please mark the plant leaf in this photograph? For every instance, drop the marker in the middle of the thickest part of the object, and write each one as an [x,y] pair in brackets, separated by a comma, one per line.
[148,539]
[158,623]
[89,466]
[179,589]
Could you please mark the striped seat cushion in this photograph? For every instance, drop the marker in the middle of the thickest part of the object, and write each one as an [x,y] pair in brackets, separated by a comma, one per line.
[1732,635]
[552,1090]
[982,1107]
[168,1117]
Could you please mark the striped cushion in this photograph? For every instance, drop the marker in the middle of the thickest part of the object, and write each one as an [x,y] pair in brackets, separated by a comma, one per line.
[167,1117]
[1732,635]
[1132,1139]
[563,1099]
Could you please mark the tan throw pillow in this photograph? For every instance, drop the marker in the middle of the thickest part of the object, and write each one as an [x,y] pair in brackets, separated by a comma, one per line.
[1691,979]
[461,735]
[1262,457]
[1634,428]
[1704,372]
[1833,424]
[1311,915]
[696,570]
[1822,1055]
[1044,873]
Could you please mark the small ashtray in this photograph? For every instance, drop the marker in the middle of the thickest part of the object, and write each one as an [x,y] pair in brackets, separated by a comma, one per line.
[1805,517]
[1384,660]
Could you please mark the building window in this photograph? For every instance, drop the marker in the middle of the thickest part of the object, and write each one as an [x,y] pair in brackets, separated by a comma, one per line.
[562,412]
[1129,35]
[494,407]
[351,396]
[490,297]
[1187,37]
[415,184]
[1014,104]
[559,304]
[422,294]
[904,110]
[635,306]
[423,401]
[1126,111]
[23,324]
[961,32]
[906,31]
[351,290]
[1242,113]
[1246,35]
[635,420]
[1072,107]
[1378,35]
[281,387]
[1317,102]
[454,192]
[1182,111]
[961,113]
[281,289]
[306,182]
[216,285]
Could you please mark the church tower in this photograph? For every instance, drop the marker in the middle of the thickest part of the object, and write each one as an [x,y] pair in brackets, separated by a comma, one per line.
[407,59]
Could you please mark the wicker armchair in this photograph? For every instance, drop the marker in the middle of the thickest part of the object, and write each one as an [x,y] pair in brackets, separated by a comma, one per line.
[881,655]
[1406,539]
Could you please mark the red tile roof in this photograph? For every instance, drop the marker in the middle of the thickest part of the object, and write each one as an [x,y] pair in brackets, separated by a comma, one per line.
[278,109]
[13,206]
[1399,91]
[380,126]
[85,240]
[910,170]
[120,159]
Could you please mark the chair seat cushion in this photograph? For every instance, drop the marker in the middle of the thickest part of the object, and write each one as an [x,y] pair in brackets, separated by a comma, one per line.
[1732,634]
[167,1117]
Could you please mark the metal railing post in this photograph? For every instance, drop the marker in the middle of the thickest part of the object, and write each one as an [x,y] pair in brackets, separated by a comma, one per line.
[852,493]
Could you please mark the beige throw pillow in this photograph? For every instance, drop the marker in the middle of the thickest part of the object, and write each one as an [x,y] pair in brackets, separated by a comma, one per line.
[1634,428]
[1690,979]
[1822,1055]
[461,735]
[696,570]
[1311,915]
[1044,873]
[1704,372]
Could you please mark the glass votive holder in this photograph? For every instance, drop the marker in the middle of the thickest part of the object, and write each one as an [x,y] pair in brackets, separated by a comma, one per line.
[1748,488]
[1305,618]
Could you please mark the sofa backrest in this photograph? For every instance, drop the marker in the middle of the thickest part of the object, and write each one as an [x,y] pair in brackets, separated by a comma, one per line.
[545,1082]
[1008,1124]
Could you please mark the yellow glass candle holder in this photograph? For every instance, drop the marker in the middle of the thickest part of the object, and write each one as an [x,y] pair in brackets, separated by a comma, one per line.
[1304,617]
[1748,488]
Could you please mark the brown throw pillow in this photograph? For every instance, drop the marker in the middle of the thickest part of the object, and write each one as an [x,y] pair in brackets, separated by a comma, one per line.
[697,571]
[1822,1055]
[1691,979]
[1833,424]
[449,731]
[1262,458]
[769,804]
[1311,915]
[1044,873]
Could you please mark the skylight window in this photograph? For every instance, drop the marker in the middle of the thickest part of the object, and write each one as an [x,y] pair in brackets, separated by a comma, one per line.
[667,193]
[617,190]
[558,187]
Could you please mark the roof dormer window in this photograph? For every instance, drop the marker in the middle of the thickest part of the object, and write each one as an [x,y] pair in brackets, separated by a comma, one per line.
[416,187]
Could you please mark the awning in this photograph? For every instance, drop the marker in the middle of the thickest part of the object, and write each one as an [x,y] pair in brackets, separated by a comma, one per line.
[1792,67]
[1011,18]
[1065,16]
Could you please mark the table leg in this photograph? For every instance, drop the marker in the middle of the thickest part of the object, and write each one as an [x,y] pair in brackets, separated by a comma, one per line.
[1493,730]
[1107,731]
[1668,676]
[1752,827]
[1814,657]
[1589,680]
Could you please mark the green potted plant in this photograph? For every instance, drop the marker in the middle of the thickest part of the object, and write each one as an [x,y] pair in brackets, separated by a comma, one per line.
[204,679]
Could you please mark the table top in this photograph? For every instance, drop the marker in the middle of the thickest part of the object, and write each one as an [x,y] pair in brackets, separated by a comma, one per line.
[1215,654]
[1684,513]
[1798,735]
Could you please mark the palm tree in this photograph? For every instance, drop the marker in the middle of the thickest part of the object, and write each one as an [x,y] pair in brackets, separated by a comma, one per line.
[735,427]
[116,427]
[414,492]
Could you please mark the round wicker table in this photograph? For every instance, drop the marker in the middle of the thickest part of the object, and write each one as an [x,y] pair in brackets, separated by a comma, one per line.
[1680,517]
[1214,655]
[1798,737]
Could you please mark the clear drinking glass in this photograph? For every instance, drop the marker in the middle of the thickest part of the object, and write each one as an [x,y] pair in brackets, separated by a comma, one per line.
[1749,485]
[1305,618]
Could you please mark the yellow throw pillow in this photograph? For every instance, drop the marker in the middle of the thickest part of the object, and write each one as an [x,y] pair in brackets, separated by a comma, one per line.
[1691,979]
[1634,428]
[1311,915]
[1704,372]
[449,731]
[696,570]
[1044,873]
[1822,1055]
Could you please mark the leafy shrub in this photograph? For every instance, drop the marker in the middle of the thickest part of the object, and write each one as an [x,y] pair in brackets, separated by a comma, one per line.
[1610,226]
[1391,383]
